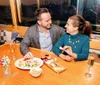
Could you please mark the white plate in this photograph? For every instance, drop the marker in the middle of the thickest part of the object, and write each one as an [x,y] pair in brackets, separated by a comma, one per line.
[25,67]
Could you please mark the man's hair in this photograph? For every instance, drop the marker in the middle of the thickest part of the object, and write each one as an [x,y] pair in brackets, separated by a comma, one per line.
[38,12]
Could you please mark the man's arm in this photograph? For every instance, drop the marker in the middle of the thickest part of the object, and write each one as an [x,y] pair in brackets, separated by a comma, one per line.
[24,46]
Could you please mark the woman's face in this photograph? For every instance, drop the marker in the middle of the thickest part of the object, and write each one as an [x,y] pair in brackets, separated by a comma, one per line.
[70,28]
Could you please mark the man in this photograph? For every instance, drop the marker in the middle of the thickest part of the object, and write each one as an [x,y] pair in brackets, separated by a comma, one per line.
[42,35]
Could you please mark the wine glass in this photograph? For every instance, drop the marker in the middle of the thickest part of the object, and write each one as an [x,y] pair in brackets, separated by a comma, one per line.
[90,63]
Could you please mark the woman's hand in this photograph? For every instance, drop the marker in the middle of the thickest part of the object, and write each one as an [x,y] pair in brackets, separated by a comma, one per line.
[66,57]
[69,51]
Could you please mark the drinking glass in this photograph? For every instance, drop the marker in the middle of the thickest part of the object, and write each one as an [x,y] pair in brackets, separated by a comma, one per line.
[7,71]
[12,47]
[90,63]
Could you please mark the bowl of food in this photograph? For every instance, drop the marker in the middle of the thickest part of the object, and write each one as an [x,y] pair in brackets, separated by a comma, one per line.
[36,71]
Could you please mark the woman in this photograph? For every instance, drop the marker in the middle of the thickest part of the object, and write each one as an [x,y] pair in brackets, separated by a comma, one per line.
[75,42]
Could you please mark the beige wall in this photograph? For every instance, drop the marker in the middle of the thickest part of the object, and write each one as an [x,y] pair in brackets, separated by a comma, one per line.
[4,2]
[25,2]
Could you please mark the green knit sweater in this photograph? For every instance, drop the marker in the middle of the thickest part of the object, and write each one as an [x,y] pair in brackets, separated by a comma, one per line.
[78,42]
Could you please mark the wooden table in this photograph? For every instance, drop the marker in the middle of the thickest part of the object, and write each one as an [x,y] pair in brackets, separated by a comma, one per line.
[73,75]
[95,45]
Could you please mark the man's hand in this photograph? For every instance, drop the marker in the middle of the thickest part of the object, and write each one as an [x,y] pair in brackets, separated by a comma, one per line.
[28,55]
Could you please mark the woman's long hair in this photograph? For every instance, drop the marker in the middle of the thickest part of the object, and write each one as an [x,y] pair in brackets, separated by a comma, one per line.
[84,27]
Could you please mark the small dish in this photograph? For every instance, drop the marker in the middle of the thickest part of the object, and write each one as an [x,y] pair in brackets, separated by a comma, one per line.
[36,71]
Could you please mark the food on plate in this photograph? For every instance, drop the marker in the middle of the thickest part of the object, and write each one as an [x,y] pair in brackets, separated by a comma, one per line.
[36,71]
[29,62]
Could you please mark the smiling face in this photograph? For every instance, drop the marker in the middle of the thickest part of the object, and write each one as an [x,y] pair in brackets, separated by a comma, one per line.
[45,20]
[70,28]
